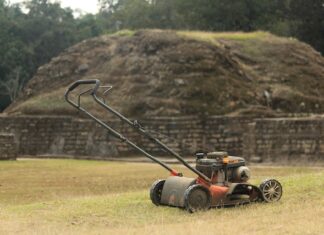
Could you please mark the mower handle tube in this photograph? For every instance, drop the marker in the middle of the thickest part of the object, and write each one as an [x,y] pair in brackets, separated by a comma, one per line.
[83,82]
[143,132]
[111,130]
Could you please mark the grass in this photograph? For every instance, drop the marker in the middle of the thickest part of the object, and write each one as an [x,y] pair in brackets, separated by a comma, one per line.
[44,103]
[51,102]
[124,33]
[237,36]
[92,197]
[252,44]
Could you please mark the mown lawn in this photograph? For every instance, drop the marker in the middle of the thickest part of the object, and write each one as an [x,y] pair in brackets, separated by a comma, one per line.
[93,197]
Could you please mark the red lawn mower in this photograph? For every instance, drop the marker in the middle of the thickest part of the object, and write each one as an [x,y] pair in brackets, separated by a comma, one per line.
[222,180]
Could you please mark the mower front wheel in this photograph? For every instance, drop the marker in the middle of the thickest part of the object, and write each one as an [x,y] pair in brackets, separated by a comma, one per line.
[156,192]
[197,198]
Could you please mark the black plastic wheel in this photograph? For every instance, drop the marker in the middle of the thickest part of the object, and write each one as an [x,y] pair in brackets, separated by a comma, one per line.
[156,192]
[271,190]
[197,198]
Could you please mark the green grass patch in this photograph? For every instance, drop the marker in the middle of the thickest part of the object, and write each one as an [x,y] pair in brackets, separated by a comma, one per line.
[236,36]
[251,44]
[124,33]
[44,103]
[51,102]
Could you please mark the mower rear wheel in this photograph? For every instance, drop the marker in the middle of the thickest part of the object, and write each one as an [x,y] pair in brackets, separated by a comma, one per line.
[271,190]
[197,198]
[156,192]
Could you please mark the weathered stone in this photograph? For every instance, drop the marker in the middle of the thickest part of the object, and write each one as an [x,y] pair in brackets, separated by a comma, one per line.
[268,139]
[8,147]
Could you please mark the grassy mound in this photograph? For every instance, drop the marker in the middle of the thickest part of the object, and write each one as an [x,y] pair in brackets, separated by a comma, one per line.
[158,72]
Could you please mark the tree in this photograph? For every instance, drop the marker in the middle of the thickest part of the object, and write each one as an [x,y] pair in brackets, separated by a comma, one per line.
[132,14]
[48,28]
[307,19]
[13,85]
[212,15]
[88,26]
[15,56]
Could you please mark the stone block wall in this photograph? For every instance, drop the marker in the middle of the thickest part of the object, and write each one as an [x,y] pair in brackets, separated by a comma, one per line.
[182,134]
[54,135]
[286,140]
[8,147]
[262,140]
[70,136]
[225,134]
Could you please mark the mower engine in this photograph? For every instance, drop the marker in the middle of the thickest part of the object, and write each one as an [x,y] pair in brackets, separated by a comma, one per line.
[221,168]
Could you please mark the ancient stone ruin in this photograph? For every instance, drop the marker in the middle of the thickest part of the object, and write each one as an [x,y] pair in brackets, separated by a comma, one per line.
[8,147]
[203,90]
[282,140]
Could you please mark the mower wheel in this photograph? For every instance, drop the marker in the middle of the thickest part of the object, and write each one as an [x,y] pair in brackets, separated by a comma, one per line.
[156,192]
[197,198]
[271,190]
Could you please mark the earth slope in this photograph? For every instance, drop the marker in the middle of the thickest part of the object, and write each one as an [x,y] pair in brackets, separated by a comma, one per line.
[164,73]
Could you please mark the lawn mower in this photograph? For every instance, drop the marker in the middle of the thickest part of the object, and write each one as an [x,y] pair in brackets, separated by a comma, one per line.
[222,180]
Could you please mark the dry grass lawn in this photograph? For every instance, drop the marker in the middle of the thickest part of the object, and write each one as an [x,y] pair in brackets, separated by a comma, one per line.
[92,197]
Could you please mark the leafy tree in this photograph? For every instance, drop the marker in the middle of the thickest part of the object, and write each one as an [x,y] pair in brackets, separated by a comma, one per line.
[15,62]
[88,26]
[132,14]
[13,85]
[307,19]
[219,15]
[48,28]
[28,40]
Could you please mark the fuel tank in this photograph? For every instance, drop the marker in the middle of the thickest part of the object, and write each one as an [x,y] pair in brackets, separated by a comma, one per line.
[174,189]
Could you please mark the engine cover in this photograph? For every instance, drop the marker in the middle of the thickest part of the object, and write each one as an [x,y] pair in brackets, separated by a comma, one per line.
[212,164]
[207,165]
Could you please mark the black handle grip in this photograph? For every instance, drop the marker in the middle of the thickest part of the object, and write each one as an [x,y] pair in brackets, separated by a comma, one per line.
[81,82]
[85,82]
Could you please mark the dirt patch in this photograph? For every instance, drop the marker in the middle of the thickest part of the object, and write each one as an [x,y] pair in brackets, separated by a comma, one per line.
[183,73]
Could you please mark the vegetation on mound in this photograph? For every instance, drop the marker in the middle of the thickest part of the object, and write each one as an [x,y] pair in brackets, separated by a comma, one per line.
[237,36]
[157,72]
[124,33]
[91,197]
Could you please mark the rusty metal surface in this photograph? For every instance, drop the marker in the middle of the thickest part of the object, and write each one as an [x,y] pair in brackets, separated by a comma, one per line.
[174,189]
[238,194]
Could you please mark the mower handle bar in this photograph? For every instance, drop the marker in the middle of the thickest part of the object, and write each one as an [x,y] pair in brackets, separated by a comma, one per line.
[110,130]
[134,124]
[85,82]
